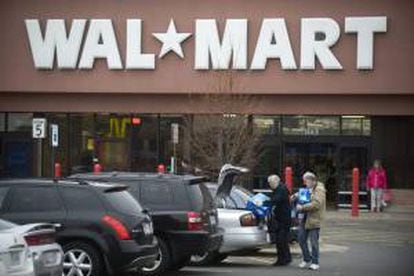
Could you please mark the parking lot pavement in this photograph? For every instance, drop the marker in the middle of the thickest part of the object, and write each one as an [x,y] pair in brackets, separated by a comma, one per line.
[373,244]
[358,260]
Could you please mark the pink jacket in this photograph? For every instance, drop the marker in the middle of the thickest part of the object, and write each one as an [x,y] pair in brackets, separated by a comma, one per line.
[377,179]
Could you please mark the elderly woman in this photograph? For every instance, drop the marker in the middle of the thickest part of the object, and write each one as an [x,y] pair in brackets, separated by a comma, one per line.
[280,220]
[310,229]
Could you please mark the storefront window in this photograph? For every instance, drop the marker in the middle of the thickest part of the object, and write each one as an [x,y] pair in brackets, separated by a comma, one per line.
[112,141]
[2,122]
[366,125]
[2,129]
[144,143]
[60,153]
[294,125]
[21,122]
[322,125]
[354,125]
[311,125]
[269,162]
[82,143]
[167,148]
[267,124]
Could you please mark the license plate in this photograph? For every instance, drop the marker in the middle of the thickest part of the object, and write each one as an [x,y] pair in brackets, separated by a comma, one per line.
[213,220]
[15,258]
[147,229]
[50,258]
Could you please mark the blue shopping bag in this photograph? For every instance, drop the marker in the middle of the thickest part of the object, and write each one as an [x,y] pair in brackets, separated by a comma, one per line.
[256,204]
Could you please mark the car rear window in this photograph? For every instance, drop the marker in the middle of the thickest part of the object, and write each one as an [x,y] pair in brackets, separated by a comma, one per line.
[157,195]
[35,199]
[123,202]
[4,225]
[200,196]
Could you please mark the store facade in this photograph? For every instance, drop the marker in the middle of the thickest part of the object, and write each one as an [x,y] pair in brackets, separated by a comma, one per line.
[330,87]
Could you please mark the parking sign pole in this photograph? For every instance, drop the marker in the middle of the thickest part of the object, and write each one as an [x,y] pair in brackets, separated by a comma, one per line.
[54,143]
[52,152]
[39,157]
[39,133]
[174,138]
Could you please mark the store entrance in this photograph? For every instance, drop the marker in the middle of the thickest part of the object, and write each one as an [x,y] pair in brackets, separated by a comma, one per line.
[316,157]
[351,156]
[332,162]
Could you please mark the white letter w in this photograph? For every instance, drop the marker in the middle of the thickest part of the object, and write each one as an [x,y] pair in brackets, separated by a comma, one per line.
[55,39]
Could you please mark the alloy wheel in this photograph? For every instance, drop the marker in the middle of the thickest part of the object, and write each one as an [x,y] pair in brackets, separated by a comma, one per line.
[156,265]
[199,258]
[77,262]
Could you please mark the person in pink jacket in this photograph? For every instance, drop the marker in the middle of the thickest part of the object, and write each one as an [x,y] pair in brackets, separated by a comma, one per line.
[376,183]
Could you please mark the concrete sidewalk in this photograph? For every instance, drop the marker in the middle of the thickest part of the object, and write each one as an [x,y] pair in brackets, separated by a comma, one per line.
[391,213]
[393,227]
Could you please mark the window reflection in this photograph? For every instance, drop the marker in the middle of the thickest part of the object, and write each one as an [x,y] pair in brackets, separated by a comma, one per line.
[366,127]
[267,124]
[167,148]
[322,125]
[294,125]
[144,143]
[311,125]
[112,141]
[82,143]
[2,122]
[61,153]
[19,122]
[356,125]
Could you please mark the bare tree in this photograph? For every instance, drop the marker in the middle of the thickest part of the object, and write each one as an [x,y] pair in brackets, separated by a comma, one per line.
[223,134]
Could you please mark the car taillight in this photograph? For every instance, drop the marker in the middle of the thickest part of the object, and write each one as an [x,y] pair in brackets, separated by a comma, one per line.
[248,220]
[40,239]
[118,227]
[195,221]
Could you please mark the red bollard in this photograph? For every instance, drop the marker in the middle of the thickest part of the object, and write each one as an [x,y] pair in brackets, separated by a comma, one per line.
[58,170]
[161,168]
[97,168]
[355,192]
[289,178]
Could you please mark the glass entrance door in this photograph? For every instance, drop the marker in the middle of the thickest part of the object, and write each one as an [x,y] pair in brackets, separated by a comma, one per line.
[316,157]
[351,157]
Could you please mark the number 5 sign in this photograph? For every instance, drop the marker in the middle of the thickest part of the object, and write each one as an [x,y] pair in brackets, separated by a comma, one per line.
[39,128]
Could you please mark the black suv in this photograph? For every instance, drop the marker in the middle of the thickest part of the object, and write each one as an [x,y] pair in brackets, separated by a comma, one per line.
[101,227]
[183,212]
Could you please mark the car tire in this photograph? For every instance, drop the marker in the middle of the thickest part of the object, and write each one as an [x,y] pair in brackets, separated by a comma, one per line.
[163,262]
[220,257]
[204,259]
[86,254]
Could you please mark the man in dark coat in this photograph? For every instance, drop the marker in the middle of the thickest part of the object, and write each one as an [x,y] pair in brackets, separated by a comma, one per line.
[280,220]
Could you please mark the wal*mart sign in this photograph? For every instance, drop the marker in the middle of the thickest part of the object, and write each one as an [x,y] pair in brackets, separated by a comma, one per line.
[212,50]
